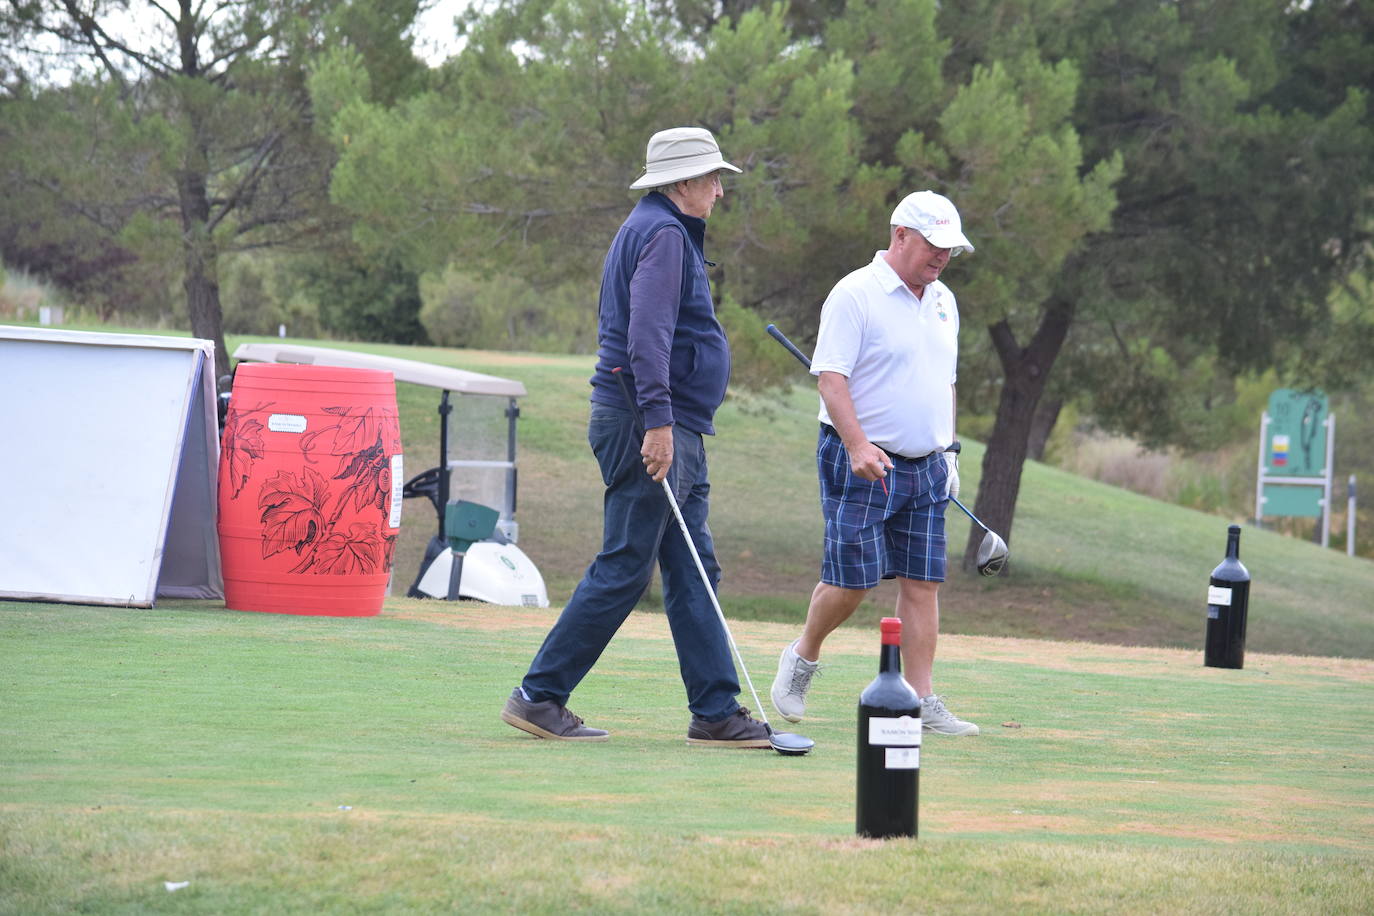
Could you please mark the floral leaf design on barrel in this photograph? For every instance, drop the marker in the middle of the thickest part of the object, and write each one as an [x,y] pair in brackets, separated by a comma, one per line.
[292,511]
[361,550]
[243,444]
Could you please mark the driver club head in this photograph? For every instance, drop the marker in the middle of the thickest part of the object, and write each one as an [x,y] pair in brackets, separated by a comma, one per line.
[789,744]
[992,554]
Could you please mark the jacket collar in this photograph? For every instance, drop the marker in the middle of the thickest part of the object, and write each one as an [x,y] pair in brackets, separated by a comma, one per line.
[695,225]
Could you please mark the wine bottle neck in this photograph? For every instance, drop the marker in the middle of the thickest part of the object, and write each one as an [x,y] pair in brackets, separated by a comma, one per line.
[890,659]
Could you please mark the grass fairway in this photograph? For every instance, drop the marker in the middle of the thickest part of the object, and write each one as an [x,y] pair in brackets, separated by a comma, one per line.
[302,765]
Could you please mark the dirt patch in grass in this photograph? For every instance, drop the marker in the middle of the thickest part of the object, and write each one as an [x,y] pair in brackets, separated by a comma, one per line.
[766,637]
[1240,813]
[467,615]
[954,822]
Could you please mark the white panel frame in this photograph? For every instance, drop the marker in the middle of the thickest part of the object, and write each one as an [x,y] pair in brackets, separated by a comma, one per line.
[94,426]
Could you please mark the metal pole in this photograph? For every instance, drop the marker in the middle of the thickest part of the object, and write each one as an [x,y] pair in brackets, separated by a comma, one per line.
[1350,517]
[1259,474]
[445,408]
[512,415]
[1330,477]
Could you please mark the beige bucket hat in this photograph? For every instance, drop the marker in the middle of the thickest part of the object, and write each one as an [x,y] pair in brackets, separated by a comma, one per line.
[678,154]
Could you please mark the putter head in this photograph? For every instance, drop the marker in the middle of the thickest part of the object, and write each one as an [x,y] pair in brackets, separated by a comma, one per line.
[992,554]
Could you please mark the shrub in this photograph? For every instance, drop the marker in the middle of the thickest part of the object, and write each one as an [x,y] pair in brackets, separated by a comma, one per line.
[462,309]
[257,297]
[362,299]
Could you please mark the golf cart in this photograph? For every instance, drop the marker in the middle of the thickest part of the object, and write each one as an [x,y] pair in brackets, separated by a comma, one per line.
[474,553]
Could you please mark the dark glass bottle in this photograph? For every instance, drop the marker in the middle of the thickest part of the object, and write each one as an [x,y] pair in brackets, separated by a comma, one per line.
[1228,600]
[889,752]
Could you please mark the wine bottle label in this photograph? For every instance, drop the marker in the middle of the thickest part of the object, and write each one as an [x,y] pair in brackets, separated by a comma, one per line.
[902,758]
[903,731]
[1218,596]
[286,423]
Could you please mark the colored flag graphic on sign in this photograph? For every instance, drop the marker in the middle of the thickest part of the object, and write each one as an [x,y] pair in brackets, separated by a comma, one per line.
[1280,451]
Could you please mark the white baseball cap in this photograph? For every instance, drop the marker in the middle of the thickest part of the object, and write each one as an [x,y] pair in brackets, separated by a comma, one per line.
[678,154]
[934,216]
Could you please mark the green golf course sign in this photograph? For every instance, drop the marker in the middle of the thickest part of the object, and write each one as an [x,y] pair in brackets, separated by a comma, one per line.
[1296,435]
[1295,443]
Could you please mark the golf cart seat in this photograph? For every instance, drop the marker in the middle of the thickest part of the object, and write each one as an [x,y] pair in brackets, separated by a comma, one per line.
[466,523]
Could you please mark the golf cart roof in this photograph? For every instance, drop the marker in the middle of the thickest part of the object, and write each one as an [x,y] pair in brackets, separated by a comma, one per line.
[405,370]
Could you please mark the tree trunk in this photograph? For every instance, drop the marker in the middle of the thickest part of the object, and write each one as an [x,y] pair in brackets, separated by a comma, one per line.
[1042,425]
[1026,371]
[201,280]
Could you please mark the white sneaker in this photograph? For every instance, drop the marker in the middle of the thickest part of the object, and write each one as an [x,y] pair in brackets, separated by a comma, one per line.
[792,682]
[935,718]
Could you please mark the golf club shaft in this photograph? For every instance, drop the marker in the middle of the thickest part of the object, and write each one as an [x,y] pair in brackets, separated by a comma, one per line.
[975,518]
[696,558]
[781,338]
[711,593]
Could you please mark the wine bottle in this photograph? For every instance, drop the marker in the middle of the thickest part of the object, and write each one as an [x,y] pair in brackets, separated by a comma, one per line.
[1228,600]
[889,752]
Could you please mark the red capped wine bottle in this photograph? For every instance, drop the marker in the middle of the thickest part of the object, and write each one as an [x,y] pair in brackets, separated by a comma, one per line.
[1228,600]
[889,753]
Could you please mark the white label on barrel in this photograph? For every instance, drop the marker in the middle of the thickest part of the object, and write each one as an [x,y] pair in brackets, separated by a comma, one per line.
[286,423]
[1218,596]
[397,485]
[902,758]
[903,730]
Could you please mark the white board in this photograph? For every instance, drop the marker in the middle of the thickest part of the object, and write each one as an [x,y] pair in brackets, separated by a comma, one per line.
[107,468]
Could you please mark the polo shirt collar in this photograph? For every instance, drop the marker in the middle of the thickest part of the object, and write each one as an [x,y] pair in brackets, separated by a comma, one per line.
[886,276]
[888,280]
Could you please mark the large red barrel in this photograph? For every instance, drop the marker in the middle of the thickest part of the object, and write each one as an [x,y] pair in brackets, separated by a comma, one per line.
[309,489]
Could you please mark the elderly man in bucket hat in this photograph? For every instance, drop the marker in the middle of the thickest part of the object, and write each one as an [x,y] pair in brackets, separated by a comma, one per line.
[885,360]
[657,325]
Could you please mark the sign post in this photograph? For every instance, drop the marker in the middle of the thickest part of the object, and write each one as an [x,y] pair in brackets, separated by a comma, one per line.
[1297,446]
[1350,517]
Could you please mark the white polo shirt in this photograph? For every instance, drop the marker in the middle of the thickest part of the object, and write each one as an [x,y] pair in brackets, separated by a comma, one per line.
[900,354]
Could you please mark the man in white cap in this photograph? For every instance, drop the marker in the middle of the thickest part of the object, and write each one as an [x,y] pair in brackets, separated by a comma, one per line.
[885,360]
[657,325]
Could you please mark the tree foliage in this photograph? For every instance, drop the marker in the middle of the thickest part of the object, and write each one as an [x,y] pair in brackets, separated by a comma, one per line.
[520,160]
[1237,212]
[190,128]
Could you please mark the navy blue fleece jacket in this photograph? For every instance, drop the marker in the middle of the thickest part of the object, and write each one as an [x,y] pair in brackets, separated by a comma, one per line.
[656,320]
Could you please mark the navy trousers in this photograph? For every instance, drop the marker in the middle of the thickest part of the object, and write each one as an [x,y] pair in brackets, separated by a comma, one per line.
[638,530]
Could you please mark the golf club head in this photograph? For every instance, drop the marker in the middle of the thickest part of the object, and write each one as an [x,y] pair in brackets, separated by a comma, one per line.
[992,554]
[788,744]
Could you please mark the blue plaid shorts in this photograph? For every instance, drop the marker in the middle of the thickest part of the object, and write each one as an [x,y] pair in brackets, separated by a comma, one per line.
[872,535]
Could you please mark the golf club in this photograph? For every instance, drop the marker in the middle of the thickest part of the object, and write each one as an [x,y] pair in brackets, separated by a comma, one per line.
[993,551]
[785,743]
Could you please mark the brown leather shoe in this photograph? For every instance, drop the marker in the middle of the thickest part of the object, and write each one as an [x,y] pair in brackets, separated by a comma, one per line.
[737,730]
[547,720]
